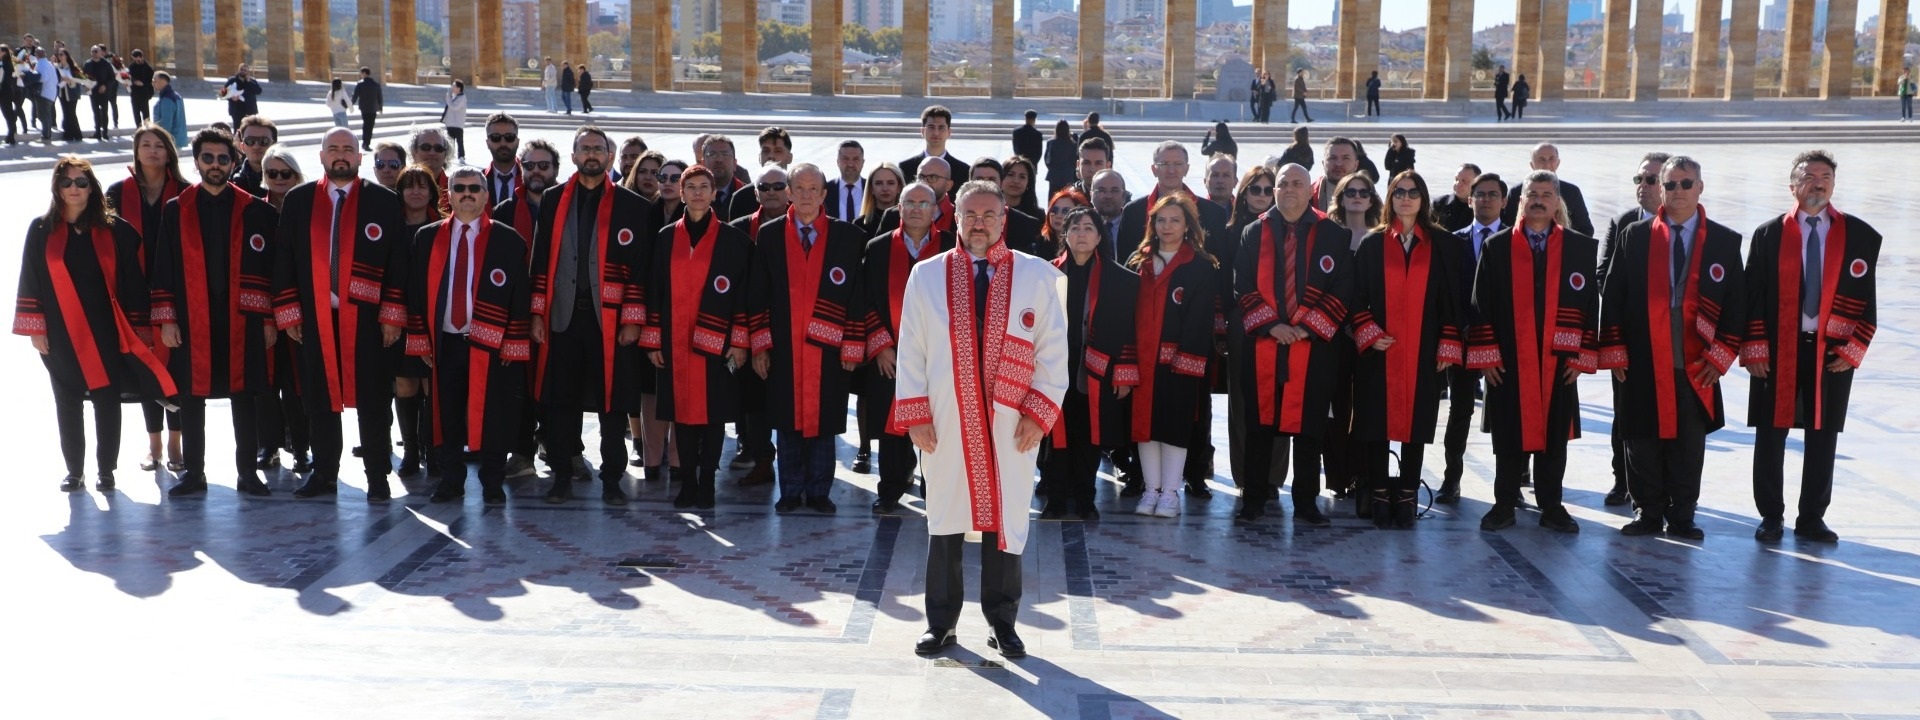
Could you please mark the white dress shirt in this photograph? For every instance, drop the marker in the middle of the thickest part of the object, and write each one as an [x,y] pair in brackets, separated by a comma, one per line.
[453,263]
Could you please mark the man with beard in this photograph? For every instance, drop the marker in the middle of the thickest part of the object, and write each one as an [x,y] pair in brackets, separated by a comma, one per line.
[845,194]
[718,155]
[809,332]
[589,247]
[467,317]
[753,433]
[255,134]
[339,292]
[937,174]
[539,165]
[1342,159]
[1095,157]
[503,142]
[1547,157]
[889,259]
[1647,198]
[212,270]
[1023,231]
[936,127]
[1110,199]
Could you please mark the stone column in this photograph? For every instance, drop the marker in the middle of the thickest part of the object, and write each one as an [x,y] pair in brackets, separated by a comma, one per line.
[1460,52]
[316,41]
[139,26]
[644,20]
[740,54]
[186,42]
[1837,65]
[1366,45]
[663,44]
[372,33]
[1181,34]
[1439,25]
[1614,80]
[490,68]
[1004,66]
[1704,81]
[1553,51]
[1890,47]
[1270,41]
[553,34]
[825,37]
[462,39]
[913,47]
[1798,52]
[1526,44]
[1093,48]
[577,31]
[1646,50]
[403,44]
[279,48]
[1342,75]
[1743,33]
[229,38]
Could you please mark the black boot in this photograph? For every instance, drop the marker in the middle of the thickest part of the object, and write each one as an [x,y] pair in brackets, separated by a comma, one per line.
[610,492]
[689,487]
[1404,508]
[703,499]
[1381,509]
[408,408]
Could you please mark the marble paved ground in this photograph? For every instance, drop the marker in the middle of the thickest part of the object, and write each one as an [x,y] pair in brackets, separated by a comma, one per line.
[223,607]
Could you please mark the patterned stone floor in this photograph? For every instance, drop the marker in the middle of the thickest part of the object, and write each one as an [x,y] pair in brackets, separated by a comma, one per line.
[227,607]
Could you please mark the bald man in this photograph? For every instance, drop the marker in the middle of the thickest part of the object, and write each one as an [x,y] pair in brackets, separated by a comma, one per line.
[1547,157]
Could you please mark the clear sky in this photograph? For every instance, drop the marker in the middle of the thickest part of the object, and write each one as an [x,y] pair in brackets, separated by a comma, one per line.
[1400,15]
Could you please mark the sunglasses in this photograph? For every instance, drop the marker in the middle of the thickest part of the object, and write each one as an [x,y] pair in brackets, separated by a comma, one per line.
[63,182]
[1259,190]
[212,159]
[538,165]
[281,174]
[256,142]
[1686,184]
[772,186]
[1406,193]
[503,137]
[1354,192]
[1646,180]
[389,164]
[466,188]
[665,178]
[430,147]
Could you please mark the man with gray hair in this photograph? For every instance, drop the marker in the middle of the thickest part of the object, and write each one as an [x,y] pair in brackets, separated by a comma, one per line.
[1534,309]
[752,434]
[767,202]
[1547,157]
[808,323]
[1647,198]
[889,259]
[982,368]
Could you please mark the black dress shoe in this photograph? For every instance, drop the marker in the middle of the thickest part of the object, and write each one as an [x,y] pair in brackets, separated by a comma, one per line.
[1007,642]
[884,506]
[1449,493]
[1616,497]
[1056,509]
[1311,517]
[761,474]
[863,461]
[1198,490]
[1770,530]
[1557,520]
[378,490]
[302,465]
[689,490]
[1250,510]
[251,486]
[493,494]
[561,490]
[611,494]
[191,483]
[787,505]
[1498,517]
[1814,529]
[447,491]
[409,466]
[317,486]
[1087,512]
[1643,525]
[1132,486]
[104,483]
[73,483]
[822,504]
[1686,532]
[934,640]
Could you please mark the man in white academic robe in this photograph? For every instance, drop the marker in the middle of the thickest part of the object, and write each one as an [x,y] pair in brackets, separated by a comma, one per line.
[978,405]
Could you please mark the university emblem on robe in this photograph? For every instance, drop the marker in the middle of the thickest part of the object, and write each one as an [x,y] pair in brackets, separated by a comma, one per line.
[838,276]
[373,232]
[1717,272]
[1577,281]
[1326,264]
[1858,269]
[1179,295]
[721,284]
[626,236]
[498,276]
[258,243]
[1026,318]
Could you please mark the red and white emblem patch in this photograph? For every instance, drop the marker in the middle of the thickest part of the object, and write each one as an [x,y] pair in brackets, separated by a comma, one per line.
[1717,272]
[1577,281]
[373,232]
[1858,268]
[626,236]
[1326,264]
[1026,318]
[721,284]
[1179,295]
[258,243]
[498,276]
[837,276]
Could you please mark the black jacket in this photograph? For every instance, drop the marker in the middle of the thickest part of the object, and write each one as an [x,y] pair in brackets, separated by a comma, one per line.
[1570,194]
[1028,142]
[366,94]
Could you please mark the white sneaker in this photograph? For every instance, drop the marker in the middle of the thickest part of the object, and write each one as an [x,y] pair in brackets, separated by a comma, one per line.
[1148,501]
[1169,504]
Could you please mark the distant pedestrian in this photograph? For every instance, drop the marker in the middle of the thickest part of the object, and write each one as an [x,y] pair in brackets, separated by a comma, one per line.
[1399,155]
[44,84]
[338,101]
[454,116]
[1219,140]
[242,95]
[586,86]
[1028,142]
[10,92]
[1263,95]
[140,86]
[550,85]
[99,71]
[566,85]
[1063,158]
[1373,94]
[1299,97]
[366,94]
[72,89]
[169,109]
[1521,90]
[1501,83]
[1905,88]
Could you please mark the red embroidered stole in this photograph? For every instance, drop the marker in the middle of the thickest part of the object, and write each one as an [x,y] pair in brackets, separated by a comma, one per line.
[804,268]
[1149,320]
[478,363]
[337,358]
[1287,416]
[1405,279]
[193,265]
[974,373]
[609,317]
[1660,315]
[689,271]
[92,358]
[1534,347]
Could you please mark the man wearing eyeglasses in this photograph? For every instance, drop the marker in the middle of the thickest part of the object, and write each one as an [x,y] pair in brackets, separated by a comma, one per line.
[468,308]
[936,126]
[255,134]
[339,291]
[539,166]
[212,268]
[1646,197]
[590,242]
[890,258]
[717,154]
[808,319]
[1673,315]
[1488,196]
[753,431]
[1814,312]
[936,173]
[1547,157]
[503,143]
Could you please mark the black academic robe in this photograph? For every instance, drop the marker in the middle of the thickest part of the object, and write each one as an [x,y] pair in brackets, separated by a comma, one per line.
[85,292]
[947,221]
[883,276]
[1134,224]
[1409,296]
[744,203]
[1453,212]
[218,289]
[518,213]
[726,195]
[341,351]
[696,313]
[808,313]
[1577,218]
[622,232]
[1290,387]
[1535,315]
[910,168]
[1102,356]
[1848,316]
[1616,232]
[127,203]
[498,338]
[1635,331]
[1173,322]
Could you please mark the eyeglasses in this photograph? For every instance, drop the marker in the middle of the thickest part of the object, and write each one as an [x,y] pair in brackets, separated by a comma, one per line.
[256,142]
[1686,184]
[1357,192]
[1059,210]
[503,137]
[1646,180]
[925,177]
[466,188]
[1487,195]
[63,182]
[665,178]
[590,150]
[388,164]
[212,159]
[430,147]
[916,204]
[776,186]
[1406,193]
[281,174]
[1259,190]
[983,218]
[717,153]
[538,165]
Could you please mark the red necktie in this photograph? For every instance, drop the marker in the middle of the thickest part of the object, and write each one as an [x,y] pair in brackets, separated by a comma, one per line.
[462,284]
[1287,247]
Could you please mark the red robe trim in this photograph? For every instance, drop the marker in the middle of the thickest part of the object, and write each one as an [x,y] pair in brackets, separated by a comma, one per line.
[610,318]
[943,220]
[522,219]
[971,378]
[93,364]
[1096,362]
[1406,283]
[1266,350]
[691,266]
[803,281]
[1536,374]
[478,363]
[193,261]
[171,189]
[1786,376]
[340,363]
[1150,316]
[899,266]
[1660,316]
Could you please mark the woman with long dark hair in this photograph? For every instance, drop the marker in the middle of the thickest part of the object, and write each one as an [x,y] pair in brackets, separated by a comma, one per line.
[155,179]
[1219,140]
[1399,155]
[420,206]
[1101,361]
[83,301]
[1063,158]
[1016,184]
[1174,334]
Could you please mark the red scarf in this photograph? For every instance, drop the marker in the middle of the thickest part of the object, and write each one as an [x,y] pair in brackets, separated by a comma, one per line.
[899,265]
[1405,279]
[1288,416]
[193,262]
[1660,315]
[691,265]
[804,268]
[1534,348]
[609,317]
[974,373]
[522,219]
[1786,374]
[340,364]
[1149,319]
[478,363]
[943,221]
[1093,383]
[93,365]
[132,211]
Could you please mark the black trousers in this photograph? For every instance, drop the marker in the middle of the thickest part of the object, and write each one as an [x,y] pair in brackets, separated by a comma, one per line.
[246,431]
[574,358]
[1199,465]
[1267,452]
[1664,475]
[452,391]
[897,463]
[1373,106]
[73,433]
[527,442]
[1549,474]
[1299,108]
[459,138]
[11,112]
[1816,469]
[585,105]
[946,589]
[283,424]
[1500,111]
[1461,386]
[142,106]
[700,446]
[43,114]
[1378,465]
[373,413]
[1344,466]
[366,129]
[1069,472]
[158,418]
[102,110]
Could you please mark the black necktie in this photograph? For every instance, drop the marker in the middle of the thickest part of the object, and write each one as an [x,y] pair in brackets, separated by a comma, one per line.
[333,267]
[1810,271]
[806,238]
[979,291]
[1537,242]
[849,207]
[1679,261]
